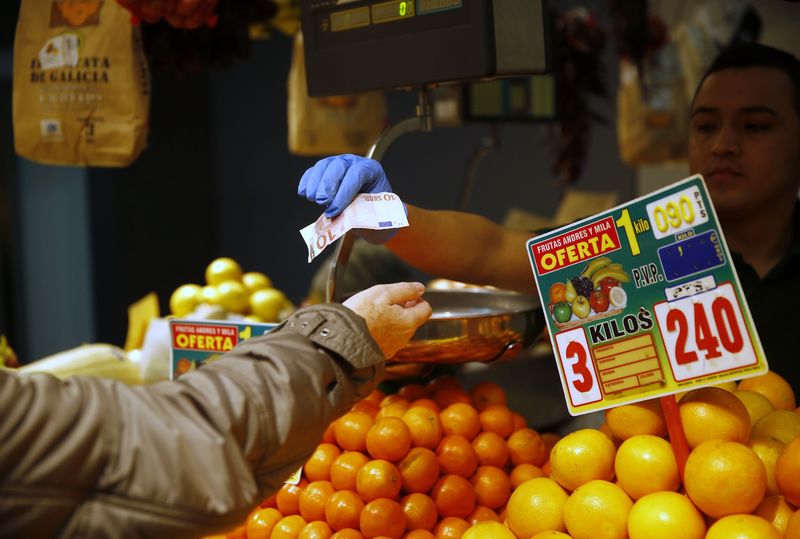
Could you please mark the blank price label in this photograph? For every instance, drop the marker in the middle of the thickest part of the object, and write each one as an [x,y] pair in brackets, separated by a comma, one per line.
[705,334]
[578,368]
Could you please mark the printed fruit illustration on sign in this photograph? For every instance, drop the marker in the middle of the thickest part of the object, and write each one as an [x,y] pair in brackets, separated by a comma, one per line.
[558,292]
[599,301]
[562,312]
[581,307]
[599,285]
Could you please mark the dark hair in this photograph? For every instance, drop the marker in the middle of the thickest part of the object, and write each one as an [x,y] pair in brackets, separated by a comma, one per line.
[751,54]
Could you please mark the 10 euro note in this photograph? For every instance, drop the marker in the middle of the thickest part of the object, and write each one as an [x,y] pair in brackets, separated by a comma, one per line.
[375,211]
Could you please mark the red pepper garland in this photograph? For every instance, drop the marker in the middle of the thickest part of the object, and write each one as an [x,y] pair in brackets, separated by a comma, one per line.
[186,14]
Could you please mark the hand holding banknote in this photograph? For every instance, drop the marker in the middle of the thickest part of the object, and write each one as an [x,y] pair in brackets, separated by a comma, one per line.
[367,212]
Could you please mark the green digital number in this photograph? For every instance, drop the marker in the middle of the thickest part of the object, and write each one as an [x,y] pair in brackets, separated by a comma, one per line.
[403,8]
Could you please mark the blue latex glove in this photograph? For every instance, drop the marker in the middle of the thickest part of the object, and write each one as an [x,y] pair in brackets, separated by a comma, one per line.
[335,181]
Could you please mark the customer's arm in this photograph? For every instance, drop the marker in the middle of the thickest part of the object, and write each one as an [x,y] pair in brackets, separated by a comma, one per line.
[92,457]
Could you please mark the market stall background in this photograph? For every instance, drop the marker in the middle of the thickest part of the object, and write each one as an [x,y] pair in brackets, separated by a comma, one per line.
[77,246]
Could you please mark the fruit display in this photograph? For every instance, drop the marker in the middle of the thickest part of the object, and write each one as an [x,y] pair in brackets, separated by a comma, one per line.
[246,295]
[436,460]
[597,292]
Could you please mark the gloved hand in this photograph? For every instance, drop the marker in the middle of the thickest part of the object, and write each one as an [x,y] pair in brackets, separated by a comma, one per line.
[335,181]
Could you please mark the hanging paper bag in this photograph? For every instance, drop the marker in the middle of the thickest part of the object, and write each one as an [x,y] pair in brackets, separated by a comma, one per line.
[330,125]
[81,84]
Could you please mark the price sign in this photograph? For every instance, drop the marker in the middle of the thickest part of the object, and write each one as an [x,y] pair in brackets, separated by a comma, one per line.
[642,301]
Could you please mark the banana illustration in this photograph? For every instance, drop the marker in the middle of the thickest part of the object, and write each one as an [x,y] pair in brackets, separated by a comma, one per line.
[618,274]
[595,265]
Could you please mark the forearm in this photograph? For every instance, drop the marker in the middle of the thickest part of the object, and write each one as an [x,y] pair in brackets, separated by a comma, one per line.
[465,247]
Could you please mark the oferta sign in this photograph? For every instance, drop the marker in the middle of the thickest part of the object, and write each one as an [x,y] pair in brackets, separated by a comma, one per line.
[642,301]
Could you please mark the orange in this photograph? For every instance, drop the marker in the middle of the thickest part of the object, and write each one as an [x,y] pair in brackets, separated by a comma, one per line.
[485,394]
[343,509]
[481,513]
[328,437]
[288,498]
[774,387]
[550,439]
[451,528]
[388,439]
[318,529]
[550,534]
[582,456]
[288,527]
[449,395]
[777,511]
[665,515]
[768,450]
[488,529]
[394,409]
[371,408]
[454,496]
[232,296]
[184,299]
[392,399]
[419,470]
[239,532]
[456,456]
[497,418]
[757,404]
[643,417]
[723,478]
[787,472]
[223,269]
[536,505]
[491,449]
[383,518]
[793,526]
[420,511]
[646,464]
[783,425]
[442,381]
[597,510]
[492,486]
[523,472]
[412,392]
[313,499]
[345,468]
[424,425]
[378,479]
[347,533]
[742,527]
[255,280]
[461,419]
[419,534]
[427,403]
[351,431]
[261,521]
[525,446]
[519,421]
[318,465]
[711,413]
[376,395]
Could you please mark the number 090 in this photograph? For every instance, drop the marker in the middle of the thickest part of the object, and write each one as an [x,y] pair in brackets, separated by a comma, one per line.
[674,215]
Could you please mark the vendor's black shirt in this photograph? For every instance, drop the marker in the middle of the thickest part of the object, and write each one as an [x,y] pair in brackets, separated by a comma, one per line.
[775,305]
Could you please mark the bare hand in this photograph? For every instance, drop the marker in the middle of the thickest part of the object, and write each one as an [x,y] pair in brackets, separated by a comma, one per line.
[393,313]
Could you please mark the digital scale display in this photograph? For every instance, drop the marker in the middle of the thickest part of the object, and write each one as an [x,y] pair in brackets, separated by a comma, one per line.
[383,12]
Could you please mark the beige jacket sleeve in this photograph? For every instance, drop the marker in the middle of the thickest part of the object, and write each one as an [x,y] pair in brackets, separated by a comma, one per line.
[88,457]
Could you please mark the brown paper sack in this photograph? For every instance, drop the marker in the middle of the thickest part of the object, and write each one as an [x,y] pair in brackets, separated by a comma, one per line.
[330,125]
[81,91]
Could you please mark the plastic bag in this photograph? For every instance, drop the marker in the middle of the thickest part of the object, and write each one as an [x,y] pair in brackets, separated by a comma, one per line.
[81,92]
[330,125]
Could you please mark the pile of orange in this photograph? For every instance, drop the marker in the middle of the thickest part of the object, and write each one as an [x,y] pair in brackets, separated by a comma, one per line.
[436,460]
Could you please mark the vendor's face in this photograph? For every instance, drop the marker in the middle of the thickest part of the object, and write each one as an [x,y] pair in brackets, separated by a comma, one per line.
[744,138]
